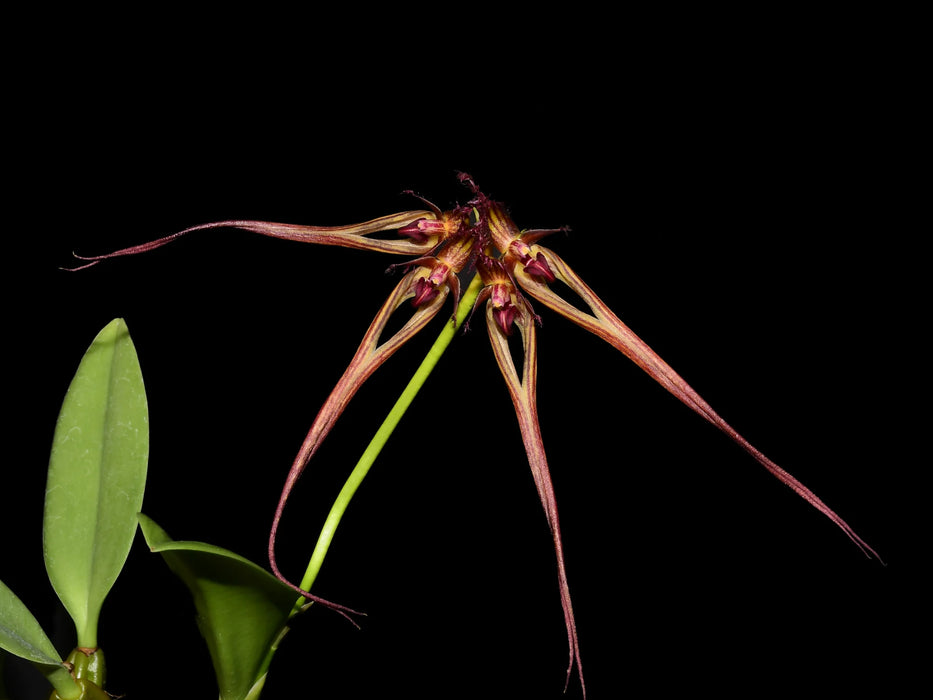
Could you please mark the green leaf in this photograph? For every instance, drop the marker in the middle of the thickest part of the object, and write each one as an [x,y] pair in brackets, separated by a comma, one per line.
[97,475]
[242,608]
[20,632]
[22,635]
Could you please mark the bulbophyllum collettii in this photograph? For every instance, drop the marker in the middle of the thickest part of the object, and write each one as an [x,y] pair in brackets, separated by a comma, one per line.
[512,267]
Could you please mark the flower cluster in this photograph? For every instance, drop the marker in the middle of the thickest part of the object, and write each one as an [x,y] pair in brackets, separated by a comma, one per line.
[480,237]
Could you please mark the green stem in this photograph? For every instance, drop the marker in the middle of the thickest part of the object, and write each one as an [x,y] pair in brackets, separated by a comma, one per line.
[382,435]
[66,687]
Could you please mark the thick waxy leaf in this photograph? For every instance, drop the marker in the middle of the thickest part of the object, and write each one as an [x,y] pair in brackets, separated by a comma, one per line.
[97,475]
[242,609]
[21,634]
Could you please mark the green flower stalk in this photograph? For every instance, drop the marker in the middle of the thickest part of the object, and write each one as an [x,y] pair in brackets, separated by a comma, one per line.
[513,267]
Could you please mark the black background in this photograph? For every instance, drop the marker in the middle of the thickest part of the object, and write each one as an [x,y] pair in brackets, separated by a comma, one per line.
[737,201]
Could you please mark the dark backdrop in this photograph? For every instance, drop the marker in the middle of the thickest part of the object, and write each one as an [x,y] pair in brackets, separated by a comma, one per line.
[728,198]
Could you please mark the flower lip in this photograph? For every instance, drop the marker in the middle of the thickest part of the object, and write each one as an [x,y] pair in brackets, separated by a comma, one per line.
[505,317]
[421,230]
[500,292]
[503,306]
[538,266]
[425,290]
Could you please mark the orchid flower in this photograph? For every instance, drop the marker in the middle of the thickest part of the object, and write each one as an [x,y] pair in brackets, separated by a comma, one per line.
[512,267]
